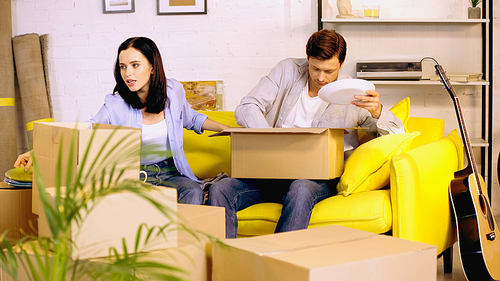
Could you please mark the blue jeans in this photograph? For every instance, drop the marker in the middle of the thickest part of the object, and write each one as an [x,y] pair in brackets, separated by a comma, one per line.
[297,196]
[165,174]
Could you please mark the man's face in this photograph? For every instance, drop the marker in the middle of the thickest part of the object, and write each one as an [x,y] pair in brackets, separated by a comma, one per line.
[322,72]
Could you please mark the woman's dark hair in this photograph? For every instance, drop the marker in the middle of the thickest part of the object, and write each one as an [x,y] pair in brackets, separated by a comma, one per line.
[326,44]
[157,96]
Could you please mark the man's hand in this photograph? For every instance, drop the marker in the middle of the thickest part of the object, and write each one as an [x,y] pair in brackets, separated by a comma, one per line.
[24,160]
[369,102]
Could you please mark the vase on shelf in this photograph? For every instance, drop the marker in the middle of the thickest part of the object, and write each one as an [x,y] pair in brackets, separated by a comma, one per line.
[474,12]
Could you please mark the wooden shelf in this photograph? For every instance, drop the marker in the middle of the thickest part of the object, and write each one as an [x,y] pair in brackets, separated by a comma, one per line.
[478,142]
[426,82]
[382,20]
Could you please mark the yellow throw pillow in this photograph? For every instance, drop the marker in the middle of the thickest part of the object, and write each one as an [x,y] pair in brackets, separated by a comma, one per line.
[368,166]
[402,110]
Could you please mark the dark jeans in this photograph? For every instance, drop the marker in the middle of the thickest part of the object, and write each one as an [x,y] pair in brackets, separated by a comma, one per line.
[165,174]
[297,196]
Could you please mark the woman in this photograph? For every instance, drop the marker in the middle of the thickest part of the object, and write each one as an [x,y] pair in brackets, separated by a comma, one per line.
[144,98]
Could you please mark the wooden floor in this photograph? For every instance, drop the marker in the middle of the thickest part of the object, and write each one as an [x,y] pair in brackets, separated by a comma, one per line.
[457,274]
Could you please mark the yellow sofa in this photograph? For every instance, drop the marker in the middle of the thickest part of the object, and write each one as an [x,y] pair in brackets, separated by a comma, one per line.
[415,207]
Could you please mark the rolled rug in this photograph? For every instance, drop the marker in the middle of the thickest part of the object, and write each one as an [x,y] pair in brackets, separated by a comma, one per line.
[31,78]
[8,142]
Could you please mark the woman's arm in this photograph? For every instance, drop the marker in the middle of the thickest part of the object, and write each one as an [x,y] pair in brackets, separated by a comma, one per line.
[212,125]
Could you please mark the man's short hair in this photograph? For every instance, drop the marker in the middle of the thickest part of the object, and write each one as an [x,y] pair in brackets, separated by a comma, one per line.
[326,44]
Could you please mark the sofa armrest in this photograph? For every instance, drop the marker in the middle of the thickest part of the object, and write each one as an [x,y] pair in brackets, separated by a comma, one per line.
[419,181]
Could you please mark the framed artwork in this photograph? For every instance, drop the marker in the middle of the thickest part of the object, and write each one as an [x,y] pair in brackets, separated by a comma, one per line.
[118,6]
[181,7]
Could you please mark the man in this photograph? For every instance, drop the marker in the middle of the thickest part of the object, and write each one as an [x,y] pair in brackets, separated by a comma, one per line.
[288,97]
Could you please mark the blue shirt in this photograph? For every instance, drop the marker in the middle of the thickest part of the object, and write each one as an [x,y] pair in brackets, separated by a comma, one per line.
[178,115]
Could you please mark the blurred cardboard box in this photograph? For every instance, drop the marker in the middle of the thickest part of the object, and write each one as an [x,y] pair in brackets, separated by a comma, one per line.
[119,216]
[51,137]
[287,153]
[324,253]
[208,219]
[15,212]
[191,255]
[194,254]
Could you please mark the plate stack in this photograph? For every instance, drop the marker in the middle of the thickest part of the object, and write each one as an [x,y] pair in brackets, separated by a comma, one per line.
[18,178]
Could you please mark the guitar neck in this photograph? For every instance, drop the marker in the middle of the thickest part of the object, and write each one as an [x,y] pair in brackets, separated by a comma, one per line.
[461,122]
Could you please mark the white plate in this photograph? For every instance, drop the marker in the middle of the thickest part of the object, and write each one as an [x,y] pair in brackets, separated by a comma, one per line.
[343,91]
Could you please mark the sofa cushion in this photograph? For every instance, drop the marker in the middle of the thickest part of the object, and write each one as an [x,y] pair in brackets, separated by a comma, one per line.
[258,219]
[368,166]
[369,211]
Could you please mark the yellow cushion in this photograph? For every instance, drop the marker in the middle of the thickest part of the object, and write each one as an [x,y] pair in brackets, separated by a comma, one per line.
[209,156]
[368,211]
[368,166]
[419,182]
[431,130]
[258,219]
[402,110]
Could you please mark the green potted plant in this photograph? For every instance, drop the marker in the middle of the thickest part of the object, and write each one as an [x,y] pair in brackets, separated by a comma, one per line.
[50,258]
[474,12]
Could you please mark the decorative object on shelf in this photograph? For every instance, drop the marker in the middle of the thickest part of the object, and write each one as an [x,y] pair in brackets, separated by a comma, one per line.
[118,6]
[371,11]
[474,12]
[180,7]
[345,9]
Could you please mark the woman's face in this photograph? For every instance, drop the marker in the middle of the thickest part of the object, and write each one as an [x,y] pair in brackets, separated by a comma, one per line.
[136,71]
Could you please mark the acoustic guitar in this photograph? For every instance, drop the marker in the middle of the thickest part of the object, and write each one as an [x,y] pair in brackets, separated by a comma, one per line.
[477,230]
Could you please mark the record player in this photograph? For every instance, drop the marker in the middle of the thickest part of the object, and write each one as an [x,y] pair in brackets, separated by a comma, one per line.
[387,70]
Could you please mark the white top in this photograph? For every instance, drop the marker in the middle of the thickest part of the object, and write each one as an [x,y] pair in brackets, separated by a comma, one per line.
[303,111]
[154,137]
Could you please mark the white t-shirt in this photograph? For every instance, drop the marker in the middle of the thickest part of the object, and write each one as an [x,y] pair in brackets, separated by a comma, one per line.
[303,111]
[154,137]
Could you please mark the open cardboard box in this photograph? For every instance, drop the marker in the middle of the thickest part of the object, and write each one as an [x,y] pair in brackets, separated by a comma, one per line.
[287,153]
[50,137]
[324,253]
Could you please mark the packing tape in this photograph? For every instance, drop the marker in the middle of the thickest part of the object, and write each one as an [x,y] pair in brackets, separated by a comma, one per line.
[7,101]
[29,125]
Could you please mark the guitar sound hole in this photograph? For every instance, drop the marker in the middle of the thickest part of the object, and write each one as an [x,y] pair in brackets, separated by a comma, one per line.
[486,211]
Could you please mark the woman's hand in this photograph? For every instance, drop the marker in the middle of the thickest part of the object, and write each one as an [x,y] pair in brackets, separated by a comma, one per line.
[24,160]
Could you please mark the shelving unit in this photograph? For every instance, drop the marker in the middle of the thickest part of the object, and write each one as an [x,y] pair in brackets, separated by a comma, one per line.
[458,44]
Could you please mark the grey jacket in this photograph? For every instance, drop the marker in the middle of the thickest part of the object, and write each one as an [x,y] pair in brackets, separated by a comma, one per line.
[270,102]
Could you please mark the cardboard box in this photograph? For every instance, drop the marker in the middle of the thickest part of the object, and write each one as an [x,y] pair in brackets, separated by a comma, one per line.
[119,216]
[280,153]
[15,212]
[324,253]
[194,255]
[190,257]
[208,219]
[50,137]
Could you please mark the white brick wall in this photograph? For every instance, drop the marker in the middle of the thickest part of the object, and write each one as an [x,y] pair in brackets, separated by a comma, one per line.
[238,41]
[225,44]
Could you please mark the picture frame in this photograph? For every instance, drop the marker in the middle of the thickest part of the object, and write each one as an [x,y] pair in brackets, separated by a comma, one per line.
[118,6]
[181,7]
